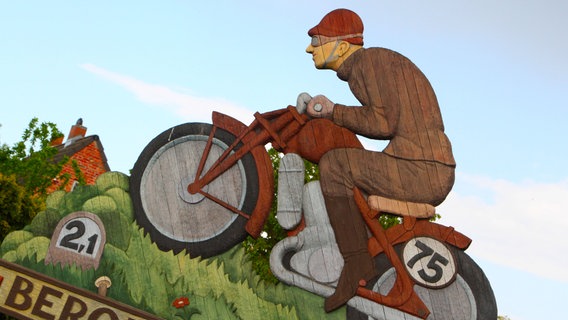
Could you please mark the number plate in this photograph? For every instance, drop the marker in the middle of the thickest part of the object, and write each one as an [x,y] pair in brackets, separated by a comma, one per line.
[79,238]
[429,262]
[81,235]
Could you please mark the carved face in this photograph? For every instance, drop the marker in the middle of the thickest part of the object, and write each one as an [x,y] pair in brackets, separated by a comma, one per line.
[324,55]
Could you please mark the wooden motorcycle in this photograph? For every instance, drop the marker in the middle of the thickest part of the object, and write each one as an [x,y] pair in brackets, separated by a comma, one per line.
[203,188]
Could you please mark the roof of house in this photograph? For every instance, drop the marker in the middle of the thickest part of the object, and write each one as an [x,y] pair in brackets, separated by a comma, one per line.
[70,148]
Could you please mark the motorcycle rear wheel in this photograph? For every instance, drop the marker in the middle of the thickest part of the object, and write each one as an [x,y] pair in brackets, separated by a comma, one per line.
[468,297]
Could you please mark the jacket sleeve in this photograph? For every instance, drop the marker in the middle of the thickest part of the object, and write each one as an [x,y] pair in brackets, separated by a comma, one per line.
[372,80]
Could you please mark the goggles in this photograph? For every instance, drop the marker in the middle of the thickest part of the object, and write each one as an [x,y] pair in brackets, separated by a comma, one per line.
[319,40]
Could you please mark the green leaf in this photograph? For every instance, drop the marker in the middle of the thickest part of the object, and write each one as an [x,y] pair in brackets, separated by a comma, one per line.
[123,202]
[45,222]
[54,199]
[13,240]
[36,246]
[112,179]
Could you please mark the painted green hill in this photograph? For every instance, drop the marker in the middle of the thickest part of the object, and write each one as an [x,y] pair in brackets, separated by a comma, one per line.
[222,287]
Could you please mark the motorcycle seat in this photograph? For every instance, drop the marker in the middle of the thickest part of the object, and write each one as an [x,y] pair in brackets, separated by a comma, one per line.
[401,208]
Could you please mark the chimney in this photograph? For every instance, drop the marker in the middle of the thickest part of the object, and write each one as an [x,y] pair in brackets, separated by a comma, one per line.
[77,132]
[57,141]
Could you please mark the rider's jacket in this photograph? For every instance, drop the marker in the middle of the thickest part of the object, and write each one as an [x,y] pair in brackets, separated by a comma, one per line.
[398,104]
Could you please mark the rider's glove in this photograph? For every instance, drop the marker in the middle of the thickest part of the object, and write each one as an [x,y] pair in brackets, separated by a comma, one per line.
[302,102]
[320,107]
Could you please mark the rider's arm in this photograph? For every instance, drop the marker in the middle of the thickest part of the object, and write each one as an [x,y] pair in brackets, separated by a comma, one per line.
[372,79]
[372,121]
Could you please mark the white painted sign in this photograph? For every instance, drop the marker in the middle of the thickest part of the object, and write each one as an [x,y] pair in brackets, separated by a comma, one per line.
[429,262]
[78,238]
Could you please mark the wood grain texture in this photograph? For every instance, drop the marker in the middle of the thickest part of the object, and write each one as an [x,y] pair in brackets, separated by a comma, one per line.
[174,213]
[319,136]
[469,297]
[264,177]
[401,208]
[32,295]
[79,239]
[290,188]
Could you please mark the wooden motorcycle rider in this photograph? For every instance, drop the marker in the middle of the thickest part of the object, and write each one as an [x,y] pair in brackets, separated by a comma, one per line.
[397,104]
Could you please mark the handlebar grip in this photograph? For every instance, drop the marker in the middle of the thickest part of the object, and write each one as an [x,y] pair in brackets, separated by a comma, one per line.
[302,102]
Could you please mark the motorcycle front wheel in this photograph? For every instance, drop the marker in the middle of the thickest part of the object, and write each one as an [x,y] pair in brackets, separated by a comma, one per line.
[178,220]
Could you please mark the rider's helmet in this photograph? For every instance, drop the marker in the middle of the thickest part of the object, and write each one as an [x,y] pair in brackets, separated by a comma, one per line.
[342,23]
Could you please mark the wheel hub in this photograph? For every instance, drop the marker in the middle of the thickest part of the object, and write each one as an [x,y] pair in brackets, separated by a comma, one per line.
[184,193]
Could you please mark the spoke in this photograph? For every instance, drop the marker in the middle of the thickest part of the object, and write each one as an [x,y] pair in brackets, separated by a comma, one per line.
[224,204]
[232,147]
[205,154]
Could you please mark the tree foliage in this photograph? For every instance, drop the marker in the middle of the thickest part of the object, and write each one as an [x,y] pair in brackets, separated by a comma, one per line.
[17,207]
[31,159]
[26,171]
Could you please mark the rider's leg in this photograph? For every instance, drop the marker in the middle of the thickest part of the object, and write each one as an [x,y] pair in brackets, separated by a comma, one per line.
[351,236]
[374,173]
[348,225]
[380,174]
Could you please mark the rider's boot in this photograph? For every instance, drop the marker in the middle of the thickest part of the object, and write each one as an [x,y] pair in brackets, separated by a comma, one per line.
[351,236]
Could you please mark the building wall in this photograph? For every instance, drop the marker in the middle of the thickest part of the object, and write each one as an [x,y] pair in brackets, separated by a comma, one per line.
[90,160]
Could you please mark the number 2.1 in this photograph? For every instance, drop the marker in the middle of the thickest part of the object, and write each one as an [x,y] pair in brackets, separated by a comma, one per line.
[68,240]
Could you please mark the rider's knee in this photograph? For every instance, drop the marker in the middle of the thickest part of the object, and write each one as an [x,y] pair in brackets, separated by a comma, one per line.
[334,168]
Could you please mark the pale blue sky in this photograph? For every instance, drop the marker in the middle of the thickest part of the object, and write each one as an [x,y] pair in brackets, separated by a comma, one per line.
[132,69]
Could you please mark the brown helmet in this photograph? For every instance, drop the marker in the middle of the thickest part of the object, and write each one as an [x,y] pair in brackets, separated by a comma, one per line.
[340,23]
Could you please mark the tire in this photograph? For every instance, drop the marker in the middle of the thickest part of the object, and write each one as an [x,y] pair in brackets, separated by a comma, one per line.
[177,220]
[467,296]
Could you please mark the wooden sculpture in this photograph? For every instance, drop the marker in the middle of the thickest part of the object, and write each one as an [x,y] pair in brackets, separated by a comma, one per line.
[202,188]
[398,104]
